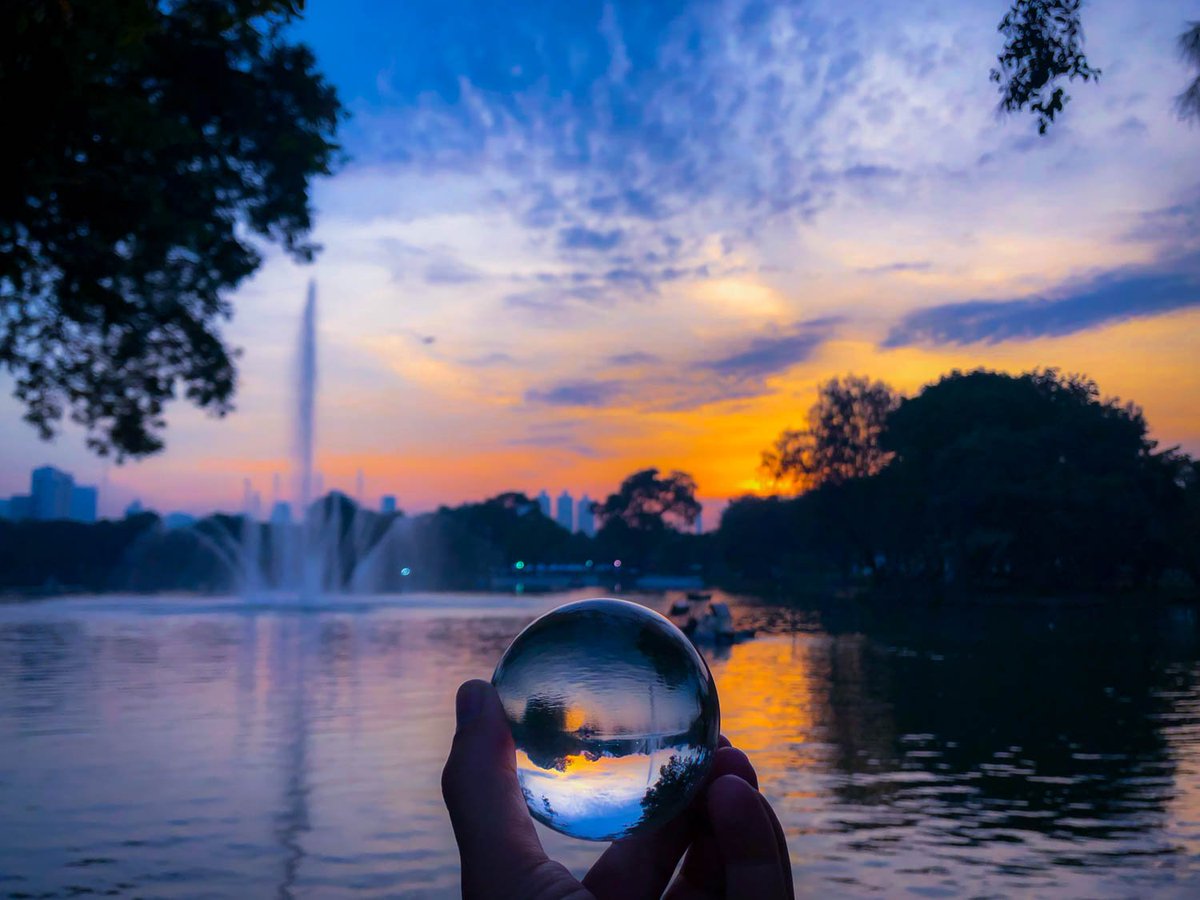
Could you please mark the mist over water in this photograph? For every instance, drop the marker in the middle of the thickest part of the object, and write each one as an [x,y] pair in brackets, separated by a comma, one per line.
[166,747]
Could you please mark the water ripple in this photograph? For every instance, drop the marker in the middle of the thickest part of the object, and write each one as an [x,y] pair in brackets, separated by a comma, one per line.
[202,748]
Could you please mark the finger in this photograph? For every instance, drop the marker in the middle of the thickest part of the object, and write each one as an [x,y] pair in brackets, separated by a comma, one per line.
[641,867]
[648,863]
[703,871]
[495,834]
[785,857]
[732,761]
[702,876]
[746,839]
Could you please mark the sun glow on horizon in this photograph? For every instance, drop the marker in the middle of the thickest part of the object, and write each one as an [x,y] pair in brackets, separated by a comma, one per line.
[503,308]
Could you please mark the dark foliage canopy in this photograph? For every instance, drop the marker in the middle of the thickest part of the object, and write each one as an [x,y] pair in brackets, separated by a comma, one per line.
[1015,483]
[154,147]
[842,438]
[1043,45]
[1033,477]
[647,501]
[1188,102]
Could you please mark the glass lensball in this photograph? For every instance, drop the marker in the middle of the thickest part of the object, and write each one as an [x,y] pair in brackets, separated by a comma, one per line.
[614,714]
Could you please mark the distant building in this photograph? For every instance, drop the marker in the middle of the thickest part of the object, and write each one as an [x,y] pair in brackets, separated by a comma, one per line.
[566,511]
[543,500]
[387,504]
[281,513]
[84,500]
[586,519]
[20,507]
[251,501]
[54,495]
[50,493]
[700,522]
[134,509]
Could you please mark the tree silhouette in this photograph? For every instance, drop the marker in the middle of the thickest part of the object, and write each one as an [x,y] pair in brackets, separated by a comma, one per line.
[1188,103]
[648,502]
[541,733]
[155,146]
[842,438]
[1185,531]
[1032,479]
[677,780]
[1022,483]
[1043,44]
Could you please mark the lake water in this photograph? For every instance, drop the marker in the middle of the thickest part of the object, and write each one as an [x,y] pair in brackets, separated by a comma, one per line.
[173,747]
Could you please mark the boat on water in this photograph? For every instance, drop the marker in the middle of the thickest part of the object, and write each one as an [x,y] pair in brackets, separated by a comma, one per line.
[706,622]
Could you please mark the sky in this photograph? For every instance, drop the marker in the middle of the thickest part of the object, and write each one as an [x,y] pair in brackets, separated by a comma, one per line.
[573,240]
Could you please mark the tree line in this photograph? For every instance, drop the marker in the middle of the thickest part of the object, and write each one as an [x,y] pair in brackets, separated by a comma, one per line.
[452,548]
[981,482]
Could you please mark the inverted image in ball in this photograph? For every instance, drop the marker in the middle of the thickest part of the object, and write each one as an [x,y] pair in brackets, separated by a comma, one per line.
[614,714]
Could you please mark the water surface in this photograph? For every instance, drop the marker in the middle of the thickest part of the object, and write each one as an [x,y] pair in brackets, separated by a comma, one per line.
[179,748]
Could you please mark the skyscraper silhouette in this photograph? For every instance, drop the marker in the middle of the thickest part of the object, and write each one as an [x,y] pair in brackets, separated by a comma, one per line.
[586,519]
[50,493]
[566,511]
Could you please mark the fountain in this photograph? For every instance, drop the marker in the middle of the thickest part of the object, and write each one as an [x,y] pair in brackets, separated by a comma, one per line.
[333,546]
[311,580]
[306,395]
[326,547]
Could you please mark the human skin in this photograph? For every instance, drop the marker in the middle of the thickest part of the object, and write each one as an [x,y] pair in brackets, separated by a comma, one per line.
[729,839]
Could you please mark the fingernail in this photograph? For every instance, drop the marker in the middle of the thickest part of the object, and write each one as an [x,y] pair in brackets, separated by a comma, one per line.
[469,702]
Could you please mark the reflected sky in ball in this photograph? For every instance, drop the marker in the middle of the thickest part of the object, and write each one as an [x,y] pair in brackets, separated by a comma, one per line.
[614,715]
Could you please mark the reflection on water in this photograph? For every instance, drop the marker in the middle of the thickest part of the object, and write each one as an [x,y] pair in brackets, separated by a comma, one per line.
[157,748]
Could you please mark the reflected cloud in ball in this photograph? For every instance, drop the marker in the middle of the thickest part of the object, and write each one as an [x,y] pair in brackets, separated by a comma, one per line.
[614,715]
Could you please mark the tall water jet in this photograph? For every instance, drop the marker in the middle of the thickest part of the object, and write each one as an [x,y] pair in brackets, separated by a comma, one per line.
[306,389]
[305,399]
[323,545]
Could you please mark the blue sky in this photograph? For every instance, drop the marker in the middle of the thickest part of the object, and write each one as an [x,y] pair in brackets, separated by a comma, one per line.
[575,239]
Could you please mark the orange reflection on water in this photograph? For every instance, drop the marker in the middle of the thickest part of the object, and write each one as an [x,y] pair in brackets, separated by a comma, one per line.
[770,703]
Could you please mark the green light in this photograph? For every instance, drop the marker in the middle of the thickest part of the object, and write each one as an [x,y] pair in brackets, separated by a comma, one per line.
[519,566]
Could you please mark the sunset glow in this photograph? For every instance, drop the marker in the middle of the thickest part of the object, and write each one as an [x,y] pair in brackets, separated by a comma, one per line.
[547,274]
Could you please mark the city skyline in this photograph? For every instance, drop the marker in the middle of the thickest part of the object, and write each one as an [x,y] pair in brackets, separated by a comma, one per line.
[54,494]
[510,307]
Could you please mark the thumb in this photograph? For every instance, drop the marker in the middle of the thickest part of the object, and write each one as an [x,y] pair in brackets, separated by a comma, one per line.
[496,838]
[746,837]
